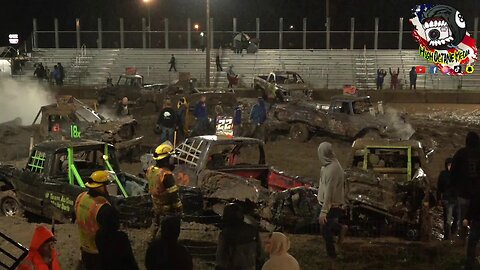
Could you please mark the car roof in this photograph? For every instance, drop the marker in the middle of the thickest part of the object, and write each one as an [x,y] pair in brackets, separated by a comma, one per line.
[349,98]
[280,72]
[55,145]
[226,139]
[369,142]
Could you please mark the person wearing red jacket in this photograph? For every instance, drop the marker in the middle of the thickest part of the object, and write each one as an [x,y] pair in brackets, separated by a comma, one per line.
[42,254]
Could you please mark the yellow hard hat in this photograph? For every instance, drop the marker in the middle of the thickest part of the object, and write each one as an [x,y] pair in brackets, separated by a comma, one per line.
[163,150]
[98,179]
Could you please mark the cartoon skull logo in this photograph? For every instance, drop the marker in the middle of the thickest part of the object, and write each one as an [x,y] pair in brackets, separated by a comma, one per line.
[444,27]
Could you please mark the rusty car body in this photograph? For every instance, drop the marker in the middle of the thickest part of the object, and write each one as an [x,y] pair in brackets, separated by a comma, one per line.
[282,86]
[349,117]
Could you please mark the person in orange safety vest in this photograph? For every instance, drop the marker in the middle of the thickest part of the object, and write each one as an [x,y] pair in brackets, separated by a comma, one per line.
[42,254]
[90,206]
[162,187]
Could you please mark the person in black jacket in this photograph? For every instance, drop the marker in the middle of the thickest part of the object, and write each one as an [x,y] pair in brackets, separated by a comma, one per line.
[472,219]
[166,253]
[114,247]
[465,174]
[167,122]
[239,245]
[448,200]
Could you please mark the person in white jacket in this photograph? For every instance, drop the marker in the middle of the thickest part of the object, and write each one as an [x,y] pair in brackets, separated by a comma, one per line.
[277,245]
[331,195]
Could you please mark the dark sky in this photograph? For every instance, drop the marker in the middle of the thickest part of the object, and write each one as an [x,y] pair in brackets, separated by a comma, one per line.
[17,14]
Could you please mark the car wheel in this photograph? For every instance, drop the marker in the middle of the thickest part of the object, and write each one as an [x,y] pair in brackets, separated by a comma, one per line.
[9,204]
[299,132]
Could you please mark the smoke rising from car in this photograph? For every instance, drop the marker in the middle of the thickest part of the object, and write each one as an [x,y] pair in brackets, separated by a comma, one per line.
[402,129]
[20,99]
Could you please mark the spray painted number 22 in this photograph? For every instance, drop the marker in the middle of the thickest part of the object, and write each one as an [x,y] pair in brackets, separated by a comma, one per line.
[225,123]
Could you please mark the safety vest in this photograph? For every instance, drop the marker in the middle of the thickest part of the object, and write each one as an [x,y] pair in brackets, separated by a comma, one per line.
[160,193]
[86,210]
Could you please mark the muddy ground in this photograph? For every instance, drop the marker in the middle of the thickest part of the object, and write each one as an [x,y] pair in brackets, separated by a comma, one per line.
[440,126]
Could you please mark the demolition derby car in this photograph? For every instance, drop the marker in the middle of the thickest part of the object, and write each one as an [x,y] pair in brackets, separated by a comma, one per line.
[71,118]
[346,116]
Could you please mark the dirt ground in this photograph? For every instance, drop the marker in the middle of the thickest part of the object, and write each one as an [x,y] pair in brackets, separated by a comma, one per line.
[439,126]
[357,253]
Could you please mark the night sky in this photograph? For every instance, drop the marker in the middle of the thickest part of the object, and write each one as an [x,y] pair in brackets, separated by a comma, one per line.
[17,15]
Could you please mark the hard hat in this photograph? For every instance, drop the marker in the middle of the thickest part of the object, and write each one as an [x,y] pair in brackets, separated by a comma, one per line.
[98,179]
[163,150]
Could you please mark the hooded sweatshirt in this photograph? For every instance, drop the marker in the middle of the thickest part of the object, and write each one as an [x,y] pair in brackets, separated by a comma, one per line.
[444,185]
[465,171]
[331,190]
[34,260]
[279,257]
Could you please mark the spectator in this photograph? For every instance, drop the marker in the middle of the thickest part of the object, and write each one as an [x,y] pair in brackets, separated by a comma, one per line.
[465,173]
[182,107]
[231,77]
[39,72]
[472,219]
[114,249]
[237,121]
[201,116]
[239,245]
[394,78]
[47,74]
[331,195]
[42,254]
[167,122]
[62,72]
[277,245]
[165,252]
[122,109]
[218,64]
[56,75]
[448,200]
[380,77]
[258,116]
[172,63]
[413,78]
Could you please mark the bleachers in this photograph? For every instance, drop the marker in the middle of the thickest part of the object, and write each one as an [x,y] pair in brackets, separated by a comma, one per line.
[320,68]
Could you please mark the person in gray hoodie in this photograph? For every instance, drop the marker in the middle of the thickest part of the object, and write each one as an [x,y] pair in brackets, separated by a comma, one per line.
[331,195]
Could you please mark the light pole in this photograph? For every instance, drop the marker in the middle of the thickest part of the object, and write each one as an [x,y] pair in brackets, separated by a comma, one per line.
[207,60]
[147,2]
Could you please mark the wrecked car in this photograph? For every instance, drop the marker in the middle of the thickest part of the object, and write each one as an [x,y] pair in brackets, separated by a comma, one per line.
[387,188]
[349,117]
[282,86]
[55,175]
[70,118]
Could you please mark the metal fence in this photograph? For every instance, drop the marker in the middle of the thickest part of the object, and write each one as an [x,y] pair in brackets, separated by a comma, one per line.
[285,37]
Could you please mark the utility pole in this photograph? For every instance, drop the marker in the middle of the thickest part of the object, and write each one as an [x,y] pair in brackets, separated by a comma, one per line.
[207,58]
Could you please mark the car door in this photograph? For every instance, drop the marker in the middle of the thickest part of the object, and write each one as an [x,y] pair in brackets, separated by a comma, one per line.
[339,117]
[60,195]
[29,186]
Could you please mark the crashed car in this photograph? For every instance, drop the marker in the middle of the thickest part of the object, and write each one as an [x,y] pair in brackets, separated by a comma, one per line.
[387,188]
[70,117]
[282,86]
[349,117]
[55,175]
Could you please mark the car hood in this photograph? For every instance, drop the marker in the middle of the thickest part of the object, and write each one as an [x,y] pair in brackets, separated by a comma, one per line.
[386,193]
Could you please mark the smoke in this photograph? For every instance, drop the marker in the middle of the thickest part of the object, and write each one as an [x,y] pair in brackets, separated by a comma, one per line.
[22,99]
[398,124]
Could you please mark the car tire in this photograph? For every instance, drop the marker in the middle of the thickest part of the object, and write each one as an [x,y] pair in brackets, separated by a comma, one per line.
[9,204]
[299,132]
